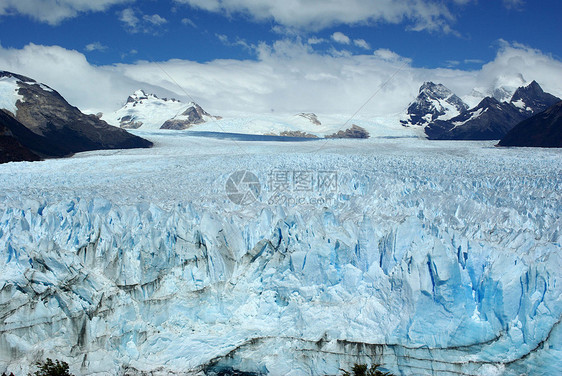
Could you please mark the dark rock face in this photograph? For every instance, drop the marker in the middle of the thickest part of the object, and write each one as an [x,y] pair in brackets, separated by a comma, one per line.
[354,132]
[20,144]
[310,117]
[491,119]
[431,103]
[46,113]
[11,150]
[45,125]
[542,130]
[128,122]
[190,117]
[298,134]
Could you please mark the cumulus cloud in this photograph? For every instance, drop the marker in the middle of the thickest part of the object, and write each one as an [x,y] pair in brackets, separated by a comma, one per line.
[340,38]
[129,18]
[136,22]
[189,22]
[361,43]
[95,46]
[473,61]
[288,76]
[314,40]
[386,54]
[54,11]
[155,19]
[316,15]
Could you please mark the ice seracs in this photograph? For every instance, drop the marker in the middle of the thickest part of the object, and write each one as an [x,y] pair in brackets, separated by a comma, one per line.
[148,111]
[432,259]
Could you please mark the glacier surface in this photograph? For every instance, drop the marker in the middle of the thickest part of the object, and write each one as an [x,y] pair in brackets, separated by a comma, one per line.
[431,258]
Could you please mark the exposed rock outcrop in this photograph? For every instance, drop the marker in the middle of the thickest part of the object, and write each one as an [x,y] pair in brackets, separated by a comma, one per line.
[354,132]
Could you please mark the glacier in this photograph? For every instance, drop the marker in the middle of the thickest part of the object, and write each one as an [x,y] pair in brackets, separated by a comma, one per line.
[430,258]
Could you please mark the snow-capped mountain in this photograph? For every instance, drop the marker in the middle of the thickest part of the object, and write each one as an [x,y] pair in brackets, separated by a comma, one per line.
[435,101]
[492,119]
[43,122]
[504,86]
[531,99]
[147,111]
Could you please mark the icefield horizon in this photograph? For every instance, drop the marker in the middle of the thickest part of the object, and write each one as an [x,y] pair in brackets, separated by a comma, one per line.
[204,255]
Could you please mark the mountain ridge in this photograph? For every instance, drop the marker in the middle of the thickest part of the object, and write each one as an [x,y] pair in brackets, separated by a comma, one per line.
[147,111]
[490,119]
[45,123]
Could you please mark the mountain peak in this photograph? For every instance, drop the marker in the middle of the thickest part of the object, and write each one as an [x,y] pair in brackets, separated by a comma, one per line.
[148,111]
[434,101]
[532,99]
[436,90]
[141,95]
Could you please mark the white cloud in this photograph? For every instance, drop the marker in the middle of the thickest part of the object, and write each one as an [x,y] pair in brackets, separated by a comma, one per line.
[129,18]
[224,39]
[386,54]
[287,76]
[473,61]
[317,15]
[54,11]
[340,38]
[155,19]
[362,43]
[95,46]
[136,22]
[189,22]
[314,40]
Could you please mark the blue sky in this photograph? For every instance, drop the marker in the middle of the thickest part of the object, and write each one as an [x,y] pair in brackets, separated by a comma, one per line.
[171,30]
[119,36]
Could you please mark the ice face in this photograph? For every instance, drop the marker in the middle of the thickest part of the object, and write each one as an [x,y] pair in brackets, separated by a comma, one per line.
[429,258]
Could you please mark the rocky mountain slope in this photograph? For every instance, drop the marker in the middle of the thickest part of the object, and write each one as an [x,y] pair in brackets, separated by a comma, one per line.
[541,130]
[11,150]
[21,144]
[435,101]
[147,111]
[490,120]
[43,121]
[445,116]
